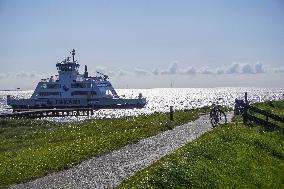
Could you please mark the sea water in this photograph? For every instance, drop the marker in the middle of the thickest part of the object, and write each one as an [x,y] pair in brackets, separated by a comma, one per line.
[160,99]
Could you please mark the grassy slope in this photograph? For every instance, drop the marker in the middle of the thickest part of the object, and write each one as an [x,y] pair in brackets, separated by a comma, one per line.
[274,107]
[232,156]
[32,148]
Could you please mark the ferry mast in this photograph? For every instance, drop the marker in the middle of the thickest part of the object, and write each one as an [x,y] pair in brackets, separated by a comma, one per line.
[73,54]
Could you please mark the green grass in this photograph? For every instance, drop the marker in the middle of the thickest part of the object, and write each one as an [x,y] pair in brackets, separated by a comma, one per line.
[31,148]
[231,156]
[273,107]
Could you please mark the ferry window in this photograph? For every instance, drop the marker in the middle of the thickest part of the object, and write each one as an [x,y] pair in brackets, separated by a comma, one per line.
[81,85]
[79,93]
[108,93]
[75,85]
[53,86]
[103,85]
[83,93]
[49,94]
[75,101]
[67,101]
[59,102]
[43,85]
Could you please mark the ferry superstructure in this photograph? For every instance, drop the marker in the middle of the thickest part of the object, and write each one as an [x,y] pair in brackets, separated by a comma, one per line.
[70,89]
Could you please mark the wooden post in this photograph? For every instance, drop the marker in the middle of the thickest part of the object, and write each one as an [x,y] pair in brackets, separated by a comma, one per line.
[171,113]
[246,97]
[245,113]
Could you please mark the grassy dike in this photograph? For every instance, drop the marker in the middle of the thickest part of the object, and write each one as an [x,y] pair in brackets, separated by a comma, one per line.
[34,148]
[231,156]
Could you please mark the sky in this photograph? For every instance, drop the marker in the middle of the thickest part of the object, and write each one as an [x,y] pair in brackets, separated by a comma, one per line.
[145,44]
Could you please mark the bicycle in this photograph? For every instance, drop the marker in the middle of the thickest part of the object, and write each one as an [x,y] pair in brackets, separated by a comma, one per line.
[217,116]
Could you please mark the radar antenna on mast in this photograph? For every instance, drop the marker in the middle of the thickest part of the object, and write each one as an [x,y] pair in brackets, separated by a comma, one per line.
[73,54]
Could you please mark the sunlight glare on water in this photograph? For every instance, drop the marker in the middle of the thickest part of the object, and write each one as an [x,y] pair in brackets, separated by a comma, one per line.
[159,99]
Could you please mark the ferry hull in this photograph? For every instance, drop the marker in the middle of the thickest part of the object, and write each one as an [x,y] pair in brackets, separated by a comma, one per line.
[103,103]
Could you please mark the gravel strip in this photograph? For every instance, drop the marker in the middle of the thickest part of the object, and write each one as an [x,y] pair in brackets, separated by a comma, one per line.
[110,170]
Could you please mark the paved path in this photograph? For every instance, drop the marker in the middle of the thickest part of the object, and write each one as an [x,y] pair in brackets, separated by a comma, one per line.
[110,170]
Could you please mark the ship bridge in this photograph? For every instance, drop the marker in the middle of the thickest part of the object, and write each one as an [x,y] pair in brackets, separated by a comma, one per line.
[67,65]
[68,69]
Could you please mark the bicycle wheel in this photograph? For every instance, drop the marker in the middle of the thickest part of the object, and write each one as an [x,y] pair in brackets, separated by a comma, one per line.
[212,113]
[222,117]
[214,122]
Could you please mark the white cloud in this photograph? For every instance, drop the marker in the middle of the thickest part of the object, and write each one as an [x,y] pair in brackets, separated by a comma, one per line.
[220,71]
[20,75]
[156,71]
[258,68]
[188,71]
[9,74]
[33,75]
[121,73]
[2,76]
[206,70]
[141,72]
[246,69]
[279,70]
[102,70]
[111,73]
[233,68]
[173,69]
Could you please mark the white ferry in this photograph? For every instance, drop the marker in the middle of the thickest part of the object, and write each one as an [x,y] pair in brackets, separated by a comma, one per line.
[70,89]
